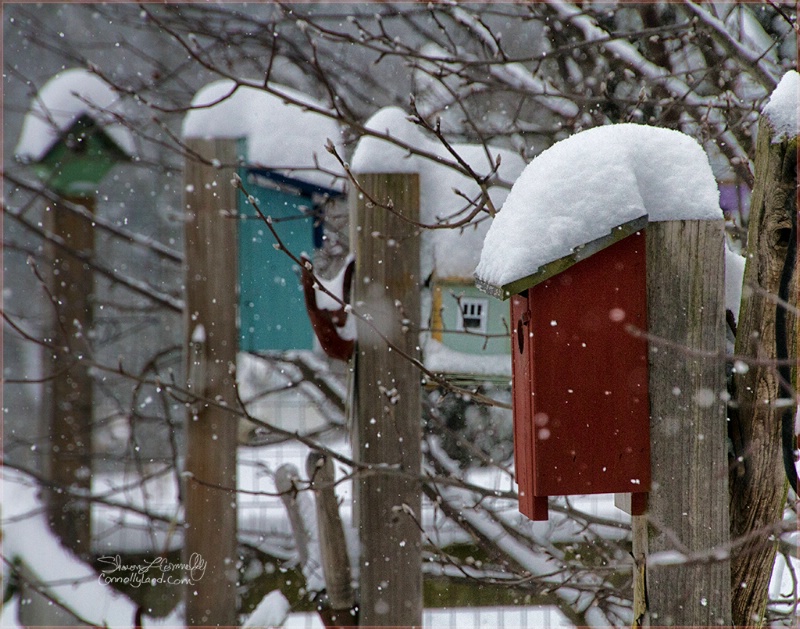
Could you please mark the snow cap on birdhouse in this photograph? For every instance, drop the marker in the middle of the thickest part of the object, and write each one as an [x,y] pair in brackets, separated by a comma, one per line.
[72,134]
[448,253]
[586,193]
[465,324]
[284,130]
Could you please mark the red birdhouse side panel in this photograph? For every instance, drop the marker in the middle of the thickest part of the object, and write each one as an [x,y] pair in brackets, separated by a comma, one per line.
[590,415]
[530,505]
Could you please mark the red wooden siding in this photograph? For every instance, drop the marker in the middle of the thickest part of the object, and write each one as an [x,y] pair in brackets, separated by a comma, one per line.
[531,506]
[581,403]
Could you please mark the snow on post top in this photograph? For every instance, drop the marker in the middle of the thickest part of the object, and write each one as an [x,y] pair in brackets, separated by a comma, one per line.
[783,107]
[581,188]
[60,103]
[280,134]
[451,253]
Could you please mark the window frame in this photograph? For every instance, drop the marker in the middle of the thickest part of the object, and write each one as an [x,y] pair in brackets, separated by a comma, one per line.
[483,317]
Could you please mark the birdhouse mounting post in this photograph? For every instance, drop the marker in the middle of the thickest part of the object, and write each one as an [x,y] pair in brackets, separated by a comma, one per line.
[688,504]
[388,406]
[71,388]
[211,430]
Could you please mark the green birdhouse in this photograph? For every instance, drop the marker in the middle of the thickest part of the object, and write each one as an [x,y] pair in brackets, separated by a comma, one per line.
[71,136]
[76,164]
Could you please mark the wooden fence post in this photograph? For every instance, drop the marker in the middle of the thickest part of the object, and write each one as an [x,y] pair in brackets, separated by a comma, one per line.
[758,482]
[332,542]
[387,427]
[211,299]
[688,505]
[70,396]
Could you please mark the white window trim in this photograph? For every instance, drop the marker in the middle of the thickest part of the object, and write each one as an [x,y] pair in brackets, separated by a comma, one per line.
[466,301]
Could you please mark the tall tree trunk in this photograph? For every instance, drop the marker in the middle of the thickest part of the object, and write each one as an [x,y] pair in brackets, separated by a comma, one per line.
[758,482]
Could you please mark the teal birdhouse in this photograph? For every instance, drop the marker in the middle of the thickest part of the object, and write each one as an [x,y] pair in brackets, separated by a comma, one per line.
[72,135]
[272,309]
[281,138]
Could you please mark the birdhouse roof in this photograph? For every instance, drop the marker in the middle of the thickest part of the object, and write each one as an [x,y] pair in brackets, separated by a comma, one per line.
[65,99]
[284,134]
[588,191]
[450,253]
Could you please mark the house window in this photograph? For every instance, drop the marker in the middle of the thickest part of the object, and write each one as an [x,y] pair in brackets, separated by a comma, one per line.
[473,315]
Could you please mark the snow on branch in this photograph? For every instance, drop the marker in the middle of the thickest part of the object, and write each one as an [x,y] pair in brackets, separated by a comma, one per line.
[631,57]
[519,77]
[750,59]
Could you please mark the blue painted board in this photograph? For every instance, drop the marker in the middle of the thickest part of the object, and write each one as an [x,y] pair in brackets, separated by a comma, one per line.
[272,312]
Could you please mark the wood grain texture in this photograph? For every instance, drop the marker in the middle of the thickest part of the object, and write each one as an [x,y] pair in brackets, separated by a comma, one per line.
[388,416]
[332,542]
[758,482]
[211,279]
[641,604]
[688,509]
[71,284]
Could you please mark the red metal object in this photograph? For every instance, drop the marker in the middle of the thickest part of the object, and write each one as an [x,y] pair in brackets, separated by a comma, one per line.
[327,323]
[580,379]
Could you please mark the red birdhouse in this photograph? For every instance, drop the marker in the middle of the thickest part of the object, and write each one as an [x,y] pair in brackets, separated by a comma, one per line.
[580,373]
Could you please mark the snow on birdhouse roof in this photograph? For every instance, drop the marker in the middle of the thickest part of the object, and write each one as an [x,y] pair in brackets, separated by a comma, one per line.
[280,134]
[585,188]
[60,102]
[451,253]
[783,108]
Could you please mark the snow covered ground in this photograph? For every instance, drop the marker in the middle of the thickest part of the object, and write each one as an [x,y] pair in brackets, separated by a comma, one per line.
[263,522]
[466,618]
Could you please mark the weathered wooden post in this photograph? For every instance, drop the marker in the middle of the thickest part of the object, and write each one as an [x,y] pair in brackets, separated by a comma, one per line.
[387,426]
[333,546]
[71,147]
[234,263]
[688,506]
[210,537]
[758,480]
[71,405]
